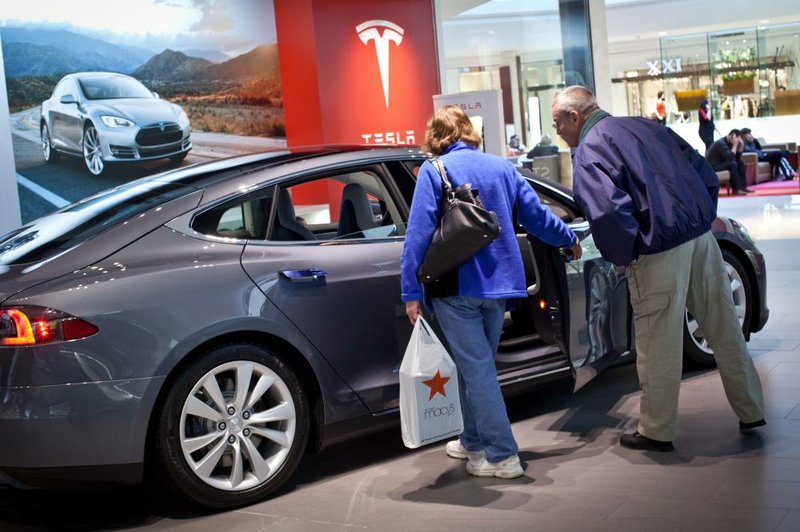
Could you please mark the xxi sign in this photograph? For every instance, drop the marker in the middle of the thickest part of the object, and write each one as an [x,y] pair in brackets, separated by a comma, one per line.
[664,66]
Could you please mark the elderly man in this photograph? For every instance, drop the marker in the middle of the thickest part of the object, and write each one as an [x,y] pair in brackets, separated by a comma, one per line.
[650,199]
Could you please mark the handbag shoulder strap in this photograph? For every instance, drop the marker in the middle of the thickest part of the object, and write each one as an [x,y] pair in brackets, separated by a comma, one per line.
[439,165]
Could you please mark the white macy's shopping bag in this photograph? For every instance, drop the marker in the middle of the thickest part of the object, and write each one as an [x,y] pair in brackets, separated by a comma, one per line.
[430,409]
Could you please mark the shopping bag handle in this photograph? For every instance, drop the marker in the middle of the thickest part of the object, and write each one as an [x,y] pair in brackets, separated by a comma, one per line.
[424,324]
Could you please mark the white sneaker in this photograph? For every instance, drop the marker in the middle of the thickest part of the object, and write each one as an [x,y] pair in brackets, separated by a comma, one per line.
[456,450]
[508,468]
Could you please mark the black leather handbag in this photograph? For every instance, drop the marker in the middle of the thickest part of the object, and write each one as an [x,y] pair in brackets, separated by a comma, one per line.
[464,228]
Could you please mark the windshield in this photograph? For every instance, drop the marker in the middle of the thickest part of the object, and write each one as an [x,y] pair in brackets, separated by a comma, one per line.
[114,87]
[78,222]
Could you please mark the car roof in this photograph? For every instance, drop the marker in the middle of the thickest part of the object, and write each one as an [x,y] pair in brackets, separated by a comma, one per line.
[96,75]
[207,174]
[91,216]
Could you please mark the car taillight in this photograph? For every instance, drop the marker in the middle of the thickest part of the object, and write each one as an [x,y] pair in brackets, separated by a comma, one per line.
[28,325]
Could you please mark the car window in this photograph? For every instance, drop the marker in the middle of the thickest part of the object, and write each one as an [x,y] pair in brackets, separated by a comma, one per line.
[351,205]
[78,222]
[245,217]
[405,176]
[113,87]
[559,208]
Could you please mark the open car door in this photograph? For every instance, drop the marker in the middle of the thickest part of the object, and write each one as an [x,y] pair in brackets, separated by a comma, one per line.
[587,298]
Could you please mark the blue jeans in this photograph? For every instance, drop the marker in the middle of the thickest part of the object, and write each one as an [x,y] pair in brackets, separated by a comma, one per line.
[472,327]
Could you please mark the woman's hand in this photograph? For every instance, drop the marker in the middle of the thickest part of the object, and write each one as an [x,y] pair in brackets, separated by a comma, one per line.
[576,249]
[413,311]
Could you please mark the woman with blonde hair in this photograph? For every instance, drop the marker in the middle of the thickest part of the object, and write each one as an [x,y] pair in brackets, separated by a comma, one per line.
[470,301]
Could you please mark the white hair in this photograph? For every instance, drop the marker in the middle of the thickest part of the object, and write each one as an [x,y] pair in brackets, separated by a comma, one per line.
[575,98]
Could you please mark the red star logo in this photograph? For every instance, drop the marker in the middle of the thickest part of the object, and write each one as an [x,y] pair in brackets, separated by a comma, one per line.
[436,385]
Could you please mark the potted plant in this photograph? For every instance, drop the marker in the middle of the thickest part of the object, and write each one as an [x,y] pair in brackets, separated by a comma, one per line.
[737,69]
[689,100]
[742,82]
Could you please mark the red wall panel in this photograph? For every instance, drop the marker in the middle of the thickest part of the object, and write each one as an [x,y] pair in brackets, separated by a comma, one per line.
[332,86]
[297,54]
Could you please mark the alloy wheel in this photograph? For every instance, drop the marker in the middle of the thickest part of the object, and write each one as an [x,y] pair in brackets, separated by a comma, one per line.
[237,426]
[92,154]
[46,147]
[739,300]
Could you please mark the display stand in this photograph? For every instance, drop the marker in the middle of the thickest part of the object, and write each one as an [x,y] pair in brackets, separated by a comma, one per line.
[488,107]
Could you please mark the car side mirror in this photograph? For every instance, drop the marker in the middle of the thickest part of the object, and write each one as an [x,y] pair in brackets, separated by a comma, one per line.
[68,98]
[156,96]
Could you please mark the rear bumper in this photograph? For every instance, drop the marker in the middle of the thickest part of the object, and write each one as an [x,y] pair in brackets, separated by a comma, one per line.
[75,431]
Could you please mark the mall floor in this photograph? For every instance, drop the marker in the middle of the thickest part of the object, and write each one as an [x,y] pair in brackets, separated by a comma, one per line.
[577,478]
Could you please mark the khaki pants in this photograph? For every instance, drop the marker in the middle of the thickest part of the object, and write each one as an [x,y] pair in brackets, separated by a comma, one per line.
[662,285]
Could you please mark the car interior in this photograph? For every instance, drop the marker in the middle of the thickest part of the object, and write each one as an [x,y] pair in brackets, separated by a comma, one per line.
[356,205]
[286,225]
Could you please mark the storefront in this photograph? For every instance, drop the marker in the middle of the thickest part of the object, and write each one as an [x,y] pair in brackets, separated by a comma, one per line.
[749,75]
[528,50]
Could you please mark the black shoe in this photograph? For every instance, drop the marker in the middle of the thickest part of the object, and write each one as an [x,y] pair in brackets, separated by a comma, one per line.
[635,440]
[748,191]
[744,427]
[739,192]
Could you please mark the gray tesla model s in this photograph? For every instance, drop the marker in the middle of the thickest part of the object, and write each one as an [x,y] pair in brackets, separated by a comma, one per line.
[106,118]
[216,321]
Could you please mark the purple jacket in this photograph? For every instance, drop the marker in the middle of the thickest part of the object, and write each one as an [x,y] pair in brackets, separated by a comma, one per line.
[643,188]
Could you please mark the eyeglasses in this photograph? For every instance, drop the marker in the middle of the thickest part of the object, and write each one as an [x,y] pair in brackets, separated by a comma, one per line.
[557,121]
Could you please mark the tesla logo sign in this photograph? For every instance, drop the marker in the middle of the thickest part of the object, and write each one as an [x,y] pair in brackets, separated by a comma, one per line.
[390,137]
[161,126]
[370,31]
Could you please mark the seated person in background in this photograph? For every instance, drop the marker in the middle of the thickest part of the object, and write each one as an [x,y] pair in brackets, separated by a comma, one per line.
[545,147]
[514,146]
[781,169]
[726,154]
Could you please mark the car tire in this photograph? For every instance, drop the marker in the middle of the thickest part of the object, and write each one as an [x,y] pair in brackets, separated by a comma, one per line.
[696,351]
[49,153]
[222,448]
[92,152]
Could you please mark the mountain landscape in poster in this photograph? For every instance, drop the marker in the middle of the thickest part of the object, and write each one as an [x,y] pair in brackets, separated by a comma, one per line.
[236,95]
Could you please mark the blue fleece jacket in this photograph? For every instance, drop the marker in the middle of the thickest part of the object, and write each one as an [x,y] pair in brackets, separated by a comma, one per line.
[495,272]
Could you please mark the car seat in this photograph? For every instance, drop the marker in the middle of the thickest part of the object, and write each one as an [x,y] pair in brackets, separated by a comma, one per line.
[355,214]
[286,225]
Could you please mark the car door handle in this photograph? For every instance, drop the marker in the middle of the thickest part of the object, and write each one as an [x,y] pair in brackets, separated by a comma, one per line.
[306,275]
